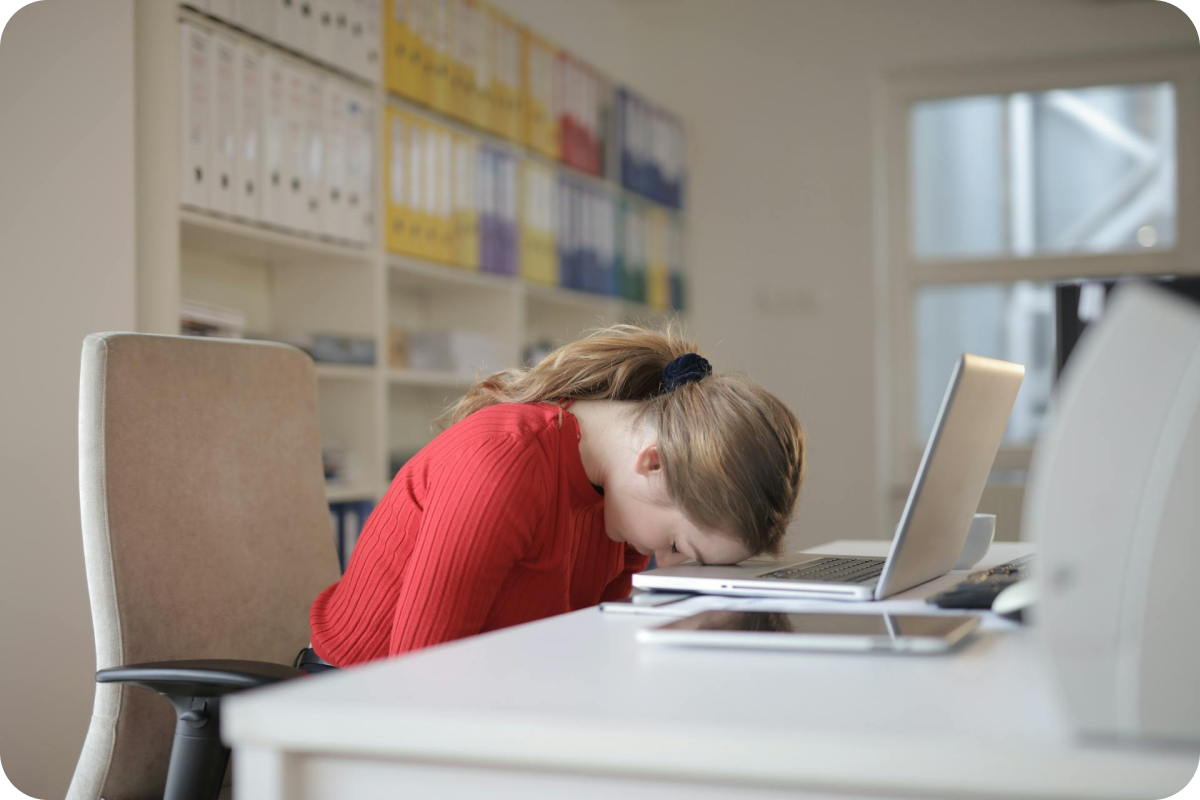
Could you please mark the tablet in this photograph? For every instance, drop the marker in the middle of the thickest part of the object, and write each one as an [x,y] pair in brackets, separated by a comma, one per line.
[902,633]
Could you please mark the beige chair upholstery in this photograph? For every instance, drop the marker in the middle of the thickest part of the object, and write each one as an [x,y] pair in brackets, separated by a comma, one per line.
[206,531]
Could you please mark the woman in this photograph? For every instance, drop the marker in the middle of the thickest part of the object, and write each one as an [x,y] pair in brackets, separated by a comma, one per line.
[553,485]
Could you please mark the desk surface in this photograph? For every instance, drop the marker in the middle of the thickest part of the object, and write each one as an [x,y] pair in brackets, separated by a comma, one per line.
[577,693]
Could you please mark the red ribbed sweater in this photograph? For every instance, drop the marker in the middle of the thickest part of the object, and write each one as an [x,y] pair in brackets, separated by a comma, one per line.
[492,524]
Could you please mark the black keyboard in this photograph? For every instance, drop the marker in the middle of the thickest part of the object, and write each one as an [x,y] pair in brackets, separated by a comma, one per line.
[979,589]
[831,570]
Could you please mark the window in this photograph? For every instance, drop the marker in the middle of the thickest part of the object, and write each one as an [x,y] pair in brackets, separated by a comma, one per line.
[1088,170]
[998,183]
[1012,321]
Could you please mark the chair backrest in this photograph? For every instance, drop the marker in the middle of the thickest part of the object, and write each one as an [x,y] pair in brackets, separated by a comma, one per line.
[206,531]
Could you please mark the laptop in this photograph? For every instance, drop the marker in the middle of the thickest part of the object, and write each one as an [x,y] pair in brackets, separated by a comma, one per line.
[932,529]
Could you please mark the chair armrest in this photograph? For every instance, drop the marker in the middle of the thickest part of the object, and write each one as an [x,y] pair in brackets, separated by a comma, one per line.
[199,678]
[195,689]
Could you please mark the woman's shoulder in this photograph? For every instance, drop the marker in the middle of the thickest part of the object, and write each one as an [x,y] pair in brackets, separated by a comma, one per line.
[523,425]
[504,436]
[519,419]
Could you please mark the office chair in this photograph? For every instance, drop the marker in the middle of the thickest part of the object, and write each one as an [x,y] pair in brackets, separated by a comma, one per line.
[206,536]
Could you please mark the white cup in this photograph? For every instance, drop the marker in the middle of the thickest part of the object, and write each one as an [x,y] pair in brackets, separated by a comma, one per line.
[979,539]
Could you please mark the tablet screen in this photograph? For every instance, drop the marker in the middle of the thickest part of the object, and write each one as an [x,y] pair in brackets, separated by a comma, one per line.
[885,625]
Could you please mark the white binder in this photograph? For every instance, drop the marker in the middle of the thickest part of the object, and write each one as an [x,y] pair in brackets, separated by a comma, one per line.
[222,124]
[324,20]
[343,41]
[295,143]
[195,106]
[283,16]
[359,33]
[370,64]
[368,124]
[348,38]
[221,9]
[275,184]
[360,159]
[288,24]
[304,27]
[256,16]
[314,161]
[335,218]
[248,104]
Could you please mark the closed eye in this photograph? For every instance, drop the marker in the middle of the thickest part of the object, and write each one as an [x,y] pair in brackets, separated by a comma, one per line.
[695,558]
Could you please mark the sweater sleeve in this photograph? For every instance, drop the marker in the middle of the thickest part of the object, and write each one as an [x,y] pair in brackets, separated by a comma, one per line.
[620,587]
[479,520]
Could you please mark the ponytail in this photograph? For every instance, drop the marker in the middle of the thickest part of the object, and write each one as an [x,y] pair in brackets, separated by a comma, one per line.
[622,362]
[733,455]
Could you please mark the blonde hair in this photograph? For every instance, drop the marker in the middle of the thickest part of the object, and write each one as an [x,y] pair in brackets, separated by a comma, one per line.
[731,452]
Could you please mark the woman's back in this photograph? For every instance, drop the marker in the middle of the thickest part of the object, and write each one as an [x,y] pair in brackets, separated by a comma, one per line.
[492,524]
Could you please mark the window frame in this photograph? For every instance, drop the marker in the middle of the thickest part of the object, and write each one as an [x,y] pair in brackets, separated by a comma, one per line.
[899,274]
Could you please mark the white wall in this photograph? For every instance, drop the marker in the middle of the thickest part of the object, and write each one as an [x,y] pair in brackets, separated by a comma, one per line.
[67,269]
[776,94]
[777,98]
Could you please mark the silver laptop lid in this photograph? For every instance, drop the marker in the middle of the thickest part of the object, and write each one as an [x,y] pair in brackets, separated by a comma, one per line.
[954,468]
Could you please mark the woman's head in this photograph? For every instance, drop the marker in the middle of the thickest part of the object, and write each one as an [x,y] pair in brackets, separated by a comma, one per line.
[722,458]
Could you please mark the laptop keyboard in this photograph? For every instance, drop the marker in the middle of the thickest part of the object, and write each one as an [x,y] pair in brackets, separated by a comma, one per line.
[831,570]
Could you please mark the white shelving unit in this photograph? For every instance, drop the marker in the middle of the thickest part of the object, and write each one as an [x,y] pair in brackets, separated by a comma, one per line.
[287,282]
[430,379]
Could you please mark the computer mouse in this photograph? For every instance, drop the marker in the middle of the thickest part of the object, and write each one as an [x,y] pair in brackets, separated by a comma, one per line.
[1012,601]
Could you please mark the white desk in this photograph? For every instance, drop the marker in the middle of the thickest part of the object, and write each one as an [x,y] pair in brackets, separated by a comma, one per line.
[573,707]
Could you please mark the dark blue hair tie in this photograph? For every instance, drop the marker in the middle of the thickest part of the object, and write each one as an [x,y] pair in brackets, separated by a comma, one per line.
[685,369]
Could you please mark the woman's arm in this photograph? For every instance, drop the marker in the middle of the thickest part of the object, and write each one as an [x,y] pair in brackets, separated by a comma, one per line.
[620,587]
[479,520]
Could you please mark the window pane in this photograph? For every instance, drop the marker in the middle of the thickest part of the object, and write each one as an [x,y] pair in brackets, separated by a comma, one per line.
[1014,322]
[1048,173]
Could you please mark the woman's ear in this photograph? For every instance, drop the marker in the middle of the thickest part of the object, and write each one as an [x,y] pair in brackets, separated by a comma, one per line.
[648,462]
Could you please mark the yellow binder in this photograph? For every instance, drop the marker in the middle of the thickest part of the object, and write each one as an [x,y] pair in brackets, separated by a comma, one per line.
[396,47]
[534,94]
[489,91]
[397,210]
[421,57]
[527,255]
[539,249]
[457,58]
[417,187]
[433,188]
[466,213]
[472,48]
[509,72]
[658,287]
[439,83]
[445,195]
[505,72]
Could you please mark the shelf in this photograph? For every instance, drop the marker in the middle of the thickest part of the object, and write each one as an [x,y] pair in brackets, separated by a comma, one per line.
[345,372]
[431,272]
[341,492]
[207,232]
[571,297]
[430,379]
[642,311]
